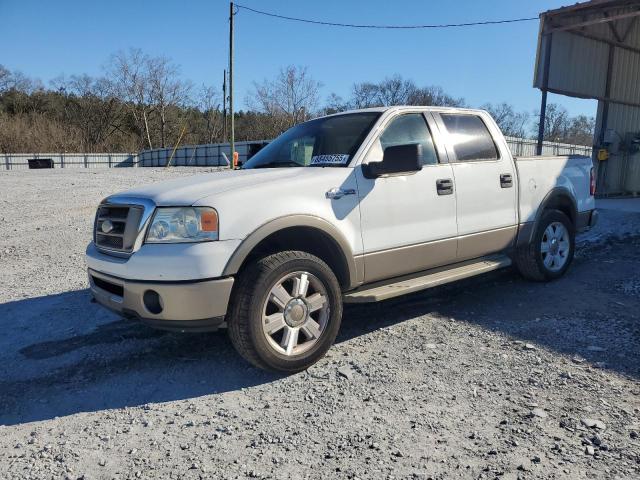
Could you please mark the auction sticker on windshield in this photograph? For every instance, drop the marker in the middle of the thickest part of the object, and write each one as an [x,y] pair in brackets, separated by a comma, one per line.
[335,159]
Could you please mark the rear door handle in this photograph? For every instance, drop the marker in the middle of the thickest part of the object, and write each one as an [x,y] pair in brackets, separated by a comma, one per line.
[506,180]
[444,186]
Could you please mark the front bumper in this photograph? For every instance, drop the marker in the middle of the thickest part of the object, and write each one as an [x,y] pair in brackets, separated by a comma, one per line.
[185,305]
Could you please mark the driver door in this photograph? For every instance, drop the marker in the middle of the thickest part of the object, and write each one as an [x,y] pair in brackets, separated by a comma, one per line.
[408,221]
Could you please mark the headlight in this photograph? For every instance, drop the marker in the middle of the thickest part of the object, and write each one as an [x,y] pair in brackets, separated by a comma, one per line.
[182,225]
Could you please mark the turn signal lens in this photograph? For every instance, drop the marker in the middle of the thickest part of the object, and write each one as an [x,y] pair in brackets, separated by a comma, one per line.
[209,221]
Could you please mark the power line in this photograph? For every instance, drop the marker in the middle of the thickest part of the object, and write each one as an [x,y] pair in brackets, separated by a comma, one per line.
[396,27]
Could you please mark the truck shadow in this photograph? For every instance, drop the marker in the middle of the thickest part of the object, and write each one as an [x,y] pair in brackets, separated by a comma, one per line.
[591,315]
[61,355]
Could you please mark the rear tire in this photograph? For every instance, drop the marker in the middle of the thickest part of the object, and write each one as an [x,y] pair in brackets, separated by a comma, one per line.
[285,312]
[551,251]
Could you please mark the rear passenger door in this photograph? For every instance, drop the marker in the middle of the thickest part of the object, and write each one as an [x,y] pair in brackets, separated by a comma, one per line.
[485,183]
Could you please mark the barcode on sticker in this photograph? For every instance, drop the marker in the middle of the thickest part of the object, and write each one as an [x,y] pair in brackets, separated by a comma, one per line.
[336,159]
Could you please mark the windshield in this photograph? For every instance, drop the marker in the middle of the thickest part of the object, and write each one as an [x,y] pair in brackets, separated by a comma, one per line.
[324,142]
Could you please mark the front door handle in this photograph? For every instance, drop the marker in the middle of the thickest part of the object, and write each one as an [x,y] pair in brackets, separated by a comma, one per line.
[506,180]
[337,193]
[444,186]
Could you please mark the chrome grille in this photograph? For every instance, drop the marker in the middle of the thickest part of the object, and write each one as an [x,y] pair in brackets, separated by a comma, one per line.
[124,227]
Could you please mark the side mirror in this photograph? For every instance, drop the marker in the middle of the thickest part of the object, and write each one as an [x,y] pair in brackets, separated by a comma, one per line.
[397,160]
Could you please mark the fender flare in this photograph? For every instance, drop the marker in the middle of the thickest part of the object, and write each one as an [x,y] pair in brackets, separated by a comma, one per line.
[273,226]
[527,230]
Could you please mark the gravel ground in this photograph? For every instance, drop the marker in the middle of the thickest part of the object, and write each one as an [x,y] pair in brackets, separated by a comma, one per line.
[493,377]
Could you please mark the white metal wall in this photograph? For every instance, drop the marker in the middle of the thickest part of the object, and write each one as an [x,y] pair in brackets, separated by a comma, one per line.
[214,154]
[211,155]
[621,173]
[20,161]
[578,67]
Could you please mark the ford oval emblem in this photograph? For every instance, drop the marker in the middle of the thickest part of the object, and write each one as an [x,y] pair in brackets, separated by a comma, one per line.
[106,226]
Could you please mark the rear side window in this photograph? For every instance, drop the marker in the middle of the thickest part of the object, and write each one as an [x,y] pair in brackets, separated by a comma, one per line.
[470,138]
[410,129]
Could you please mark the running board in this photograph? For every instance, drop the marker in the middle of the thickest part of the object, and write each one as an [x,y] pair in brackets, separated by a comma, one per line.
[421,281]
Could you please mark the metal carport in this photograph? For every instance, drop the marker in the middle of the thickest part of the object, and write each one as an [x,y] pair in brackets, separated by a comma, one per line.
[592,50]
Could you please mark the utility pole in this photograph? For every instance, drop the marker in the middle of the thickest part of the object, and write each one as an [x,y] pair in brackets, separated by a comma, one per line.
[545,86]
[232,139]
[224,107]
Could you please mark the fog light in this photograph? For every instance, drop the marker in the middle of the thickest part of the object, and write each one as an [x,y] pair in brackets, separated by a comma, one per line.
[152,302]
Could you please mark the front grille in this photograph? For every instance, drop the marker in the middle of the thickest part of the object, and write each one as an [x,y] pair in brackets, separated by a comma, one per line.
[117,227]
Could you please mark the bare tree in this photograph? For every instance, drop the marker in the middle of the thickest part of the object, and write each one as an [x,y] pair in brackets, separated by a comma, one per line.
[334,104]
[511,123]
[581,130]
[561,127]
[209,100]
[91,108]
[5,78]
[433,96]
[365,95]
[395,91]
[167,90]
[128,74]
[18,81]
[556,123]
[292,97]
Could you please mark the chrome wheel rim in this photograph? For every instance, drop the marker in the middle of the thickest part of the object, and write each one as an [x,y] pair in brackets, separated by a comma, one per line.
[555,246]
[295,313]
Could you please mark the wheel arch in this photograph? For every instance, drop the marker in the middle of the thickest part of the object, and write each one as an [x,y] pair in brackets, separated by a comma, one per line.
[559,198]
[299,232]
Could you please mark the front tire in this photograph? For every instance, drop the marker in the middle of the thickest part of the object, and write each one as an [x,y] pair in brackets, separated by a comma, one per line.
[285,312]
[550,253]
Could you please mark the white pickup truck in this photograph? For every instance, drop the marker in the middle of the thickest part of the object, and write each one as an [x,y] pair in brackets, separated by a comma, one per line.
[360,206]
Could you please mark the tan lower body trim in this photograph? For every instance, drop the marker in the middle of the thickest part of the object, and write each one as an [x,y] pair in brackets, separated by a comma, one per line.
[402,260]
[483,243]
[414,258]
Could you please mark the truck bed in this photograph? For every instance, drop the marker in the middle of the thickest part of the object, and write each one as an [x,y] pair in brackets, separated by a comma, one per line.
[539,175]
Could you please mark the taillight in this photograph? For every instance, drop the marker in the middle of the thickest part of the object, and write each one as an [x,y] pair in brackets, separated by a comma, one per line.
[592,182]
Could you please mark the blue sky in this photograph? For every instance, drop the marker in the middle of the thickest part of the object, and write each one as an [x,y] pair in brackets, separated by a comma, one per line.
[44,39]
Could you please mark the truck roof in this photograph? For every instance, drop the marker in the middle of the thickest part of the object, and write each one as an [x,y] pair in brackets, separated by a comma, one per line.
[408,107]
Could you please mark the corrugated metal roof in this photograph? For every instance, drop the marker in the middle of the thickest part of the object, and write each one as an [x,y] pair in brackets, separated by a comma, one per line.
[580,56]
[582,6]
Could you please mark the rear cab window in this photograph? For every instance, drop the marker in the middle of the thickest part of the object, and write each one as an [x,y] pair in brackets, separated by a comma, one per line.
[469,137]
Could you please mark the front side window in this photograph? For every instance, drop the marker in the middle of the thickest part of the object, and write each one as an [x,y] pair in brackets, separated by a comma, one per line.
[324,142]
[410,129]
[469,137]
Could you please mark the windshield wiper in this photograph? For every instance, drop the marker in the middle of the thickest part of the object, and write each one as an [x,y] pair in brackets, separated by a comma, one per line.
[278,164]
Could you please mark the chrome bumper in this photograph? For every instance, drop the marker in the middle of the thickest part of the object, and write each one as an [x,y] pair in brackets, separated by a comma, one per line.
[195,306]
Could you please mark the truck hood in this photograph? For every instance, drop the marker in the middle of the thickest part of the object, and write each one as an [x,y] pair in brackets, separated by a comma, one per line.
[188,190]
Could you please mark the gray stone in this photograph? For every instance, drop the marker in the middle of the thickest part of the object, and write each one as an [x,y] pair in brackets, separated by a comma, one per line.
[346,372]
[538,412]
[592,423]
